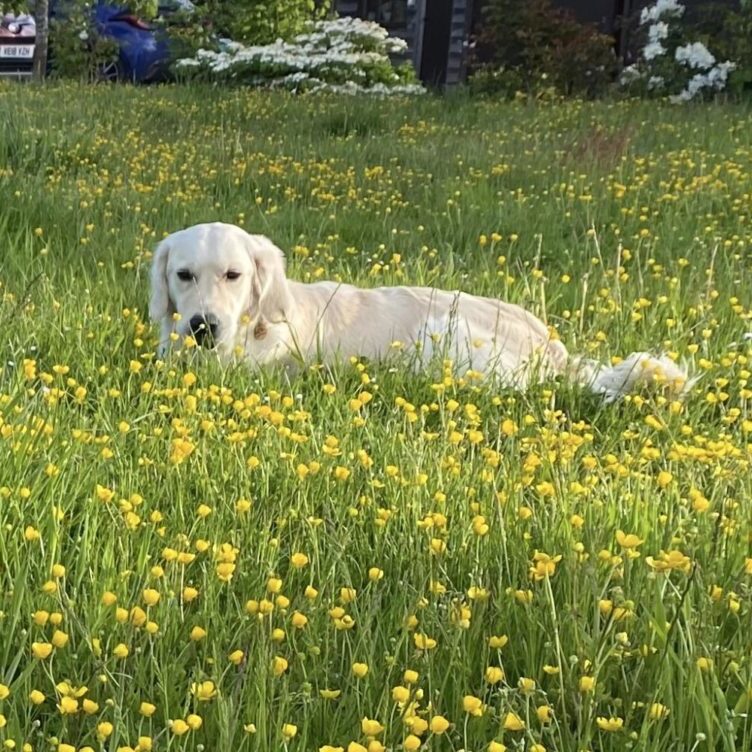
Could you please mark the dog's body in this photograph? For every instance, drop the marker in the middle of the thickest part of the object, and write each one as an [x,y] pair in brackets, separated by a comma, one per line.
[327,321]
[230,289]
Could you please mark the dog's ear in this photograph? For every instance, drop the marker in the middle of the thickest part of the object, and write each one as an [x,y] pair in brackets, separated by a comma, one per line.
[270,293]
[160,305]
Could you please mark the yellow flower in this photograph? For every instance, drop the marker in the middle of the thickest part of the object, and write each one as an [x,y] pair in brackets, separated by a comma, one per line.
[438,724]
[664,478]
[58,571]
[4,692]
[543,566]
[544,713]
[400,694]
[370,727]
[299,560]
[704,664]
[289,730]
[179,727]
[194,721]
[151,597]
[104,730]
[423,642]
[670,560]
[197,633]
[498,642]
[204,691]
[299,620]
[330,694]
[360,669]
[36,697]
[310,592]
[609,724]
[120,651]
[525,685]
[104,494]
[494,674]
[31,534]
[496,747]
[189,594]
[628,540]
[147,709]
[411,743]
[512,722]
[279,665]
[472,705]
[68,705]
[236,657]
[41,650]
[658,711]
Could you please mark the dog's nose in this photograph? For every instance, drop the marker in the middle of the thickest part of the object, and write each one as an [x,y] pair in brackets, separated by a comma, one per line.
[204,329]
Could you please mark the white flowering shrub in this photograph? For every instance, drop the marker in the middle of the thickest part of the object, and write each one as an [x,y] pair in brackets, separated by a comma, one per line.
[345,55]
[668,62]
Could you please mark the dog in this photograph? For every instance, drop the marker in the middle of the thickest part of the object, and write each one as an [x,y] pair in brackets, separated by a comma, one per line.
[227,289]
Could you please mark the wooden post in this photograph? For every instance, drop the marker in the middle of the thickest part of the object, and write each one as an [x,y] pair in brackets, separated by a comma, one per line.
[42,20]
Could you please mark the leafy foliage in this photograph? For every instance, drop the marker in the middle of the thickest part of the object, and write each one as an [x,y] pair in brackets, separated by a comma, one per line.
[535,45]
[345,54]
[671,59]
[729,30]
[78,49]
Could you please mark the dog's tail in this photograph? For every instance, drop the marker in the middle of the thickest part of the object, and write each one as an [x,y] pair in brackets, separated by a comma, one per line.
[638,371]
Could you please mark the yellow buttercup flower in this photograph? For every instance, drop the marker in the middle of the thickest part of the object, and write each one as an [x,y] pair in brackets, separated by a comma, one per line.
[204,691]
[472,705]
[609,724]
[438,724]
[360,669]
[512,722]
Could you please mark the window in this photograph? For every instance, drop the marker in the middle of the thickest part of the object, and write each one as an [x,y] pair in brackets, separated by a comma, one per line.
[391,14]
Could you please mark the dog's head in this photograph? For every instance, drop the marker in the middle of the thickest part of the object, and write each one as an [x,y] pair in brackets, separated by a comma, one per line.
[213,276]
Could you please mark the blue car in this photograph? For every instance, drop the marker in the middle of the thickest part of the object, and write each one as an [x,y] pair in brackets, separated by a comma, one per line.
[144,51]
[144,48]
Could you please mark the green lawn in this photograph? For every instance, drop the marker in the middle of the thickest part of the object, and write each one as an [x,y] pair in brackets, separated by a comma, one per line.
[267,564]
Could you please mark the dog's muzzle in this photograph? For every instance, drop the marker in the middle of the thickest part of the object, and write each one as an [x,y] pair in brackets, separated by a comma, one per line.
[204,329]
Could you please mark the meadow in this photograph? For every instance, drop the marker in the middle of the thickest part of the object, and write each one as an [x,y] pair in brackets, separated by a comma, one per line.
[196,557]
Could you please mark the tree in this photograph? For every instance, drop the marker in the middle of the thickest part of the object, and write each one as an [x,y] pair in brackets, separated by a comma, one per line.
[42,20]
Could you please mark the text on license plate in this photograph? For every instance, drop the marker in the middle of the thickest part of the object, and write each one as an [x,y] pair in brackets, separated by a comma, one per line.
[17,50]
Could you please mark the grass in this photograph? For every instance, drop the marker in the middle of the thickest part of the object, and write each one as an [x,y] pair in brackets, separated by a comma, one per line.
[165,525]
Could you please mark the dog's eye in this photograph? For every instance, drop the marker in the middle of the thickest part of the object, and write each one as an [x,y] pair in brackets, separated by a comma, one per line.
[232,275]
[185,275]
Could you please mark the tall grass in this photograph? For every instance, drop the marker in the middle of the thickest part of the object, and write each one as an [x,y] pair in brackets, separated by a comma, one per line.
[599,556]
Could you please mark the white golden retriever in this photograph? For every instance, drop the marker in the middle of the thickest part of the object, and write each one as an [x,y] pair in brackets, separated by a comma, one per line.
[228,290]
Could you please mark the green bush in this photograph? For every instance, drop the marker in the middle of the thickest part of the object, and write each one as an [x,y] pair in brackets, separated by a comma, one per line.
[729,30]
[345,55]
[258,21]
[533,45]
[77,49]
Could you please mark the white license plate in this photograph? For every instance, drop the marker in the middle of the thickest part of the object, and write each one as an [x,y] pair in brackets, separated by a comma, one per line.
[25,51]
